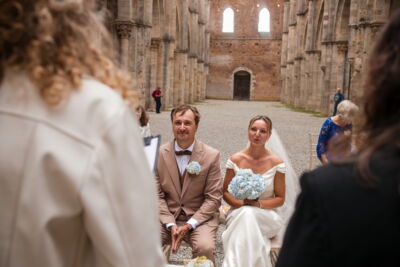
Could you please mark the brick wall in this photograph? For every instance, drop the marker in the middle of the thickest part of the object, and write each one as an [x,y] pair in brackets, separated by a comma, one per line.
[245,49]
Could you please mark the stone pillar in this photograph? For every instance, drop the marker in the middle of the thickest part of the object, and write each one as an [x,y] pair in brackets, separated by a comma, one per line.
[341,63]
[124,30]
[179,77]
[155,67]
[300,88]
[166,46]
[193,50]
[311,26]
[285,31]
[192,77]
[142,40]
[291,69]
[186,89]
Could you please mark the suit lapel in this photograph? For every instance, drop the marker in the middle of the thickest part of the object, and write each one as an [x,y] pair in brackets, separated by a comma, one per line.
[172,166]
[196,156]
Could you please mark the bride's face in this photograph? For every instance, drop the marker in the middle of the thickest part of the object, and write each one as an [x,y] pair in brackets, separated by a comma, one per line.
[259,132]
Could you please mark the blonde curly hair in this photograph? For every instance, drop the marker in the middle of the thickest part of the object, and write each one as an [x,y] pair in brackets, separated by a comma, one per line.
[56,42]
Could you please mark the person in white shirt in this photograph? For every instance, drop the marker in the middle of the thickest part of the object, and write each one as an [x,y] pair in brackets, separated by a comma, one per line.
[71,194]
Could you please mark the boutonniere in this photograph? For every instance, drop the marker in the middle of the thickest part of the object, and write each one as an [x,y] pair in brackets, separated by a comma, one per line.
[193,168]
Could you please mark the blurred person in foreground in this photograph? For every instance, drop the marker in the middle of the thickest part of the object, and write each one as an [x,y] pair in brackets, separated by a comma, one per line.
[71,193]
[334,127]
[348,213]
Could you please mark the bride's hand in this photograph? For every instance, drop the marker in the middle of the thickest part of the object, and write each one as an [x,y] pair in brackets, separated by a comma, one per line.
[250,202]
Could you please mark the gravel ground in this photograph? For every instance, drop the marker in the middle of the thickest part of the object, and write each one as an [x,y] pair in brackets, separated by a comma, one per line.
[223,125]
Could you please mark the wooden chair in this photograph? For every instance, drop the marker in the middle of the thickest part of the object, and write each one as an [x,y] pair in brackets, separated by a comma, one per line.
[313,160]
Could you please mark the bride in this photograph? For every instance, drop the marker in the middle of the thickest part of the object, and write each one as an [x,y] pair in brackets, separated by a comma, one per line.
[254,226]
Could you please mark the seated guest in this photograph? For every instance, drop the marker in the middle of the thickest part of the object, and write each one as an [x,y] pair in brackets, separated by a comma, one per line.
[348,213]
[333,127]
[71,194]
[143,119]
[189,186]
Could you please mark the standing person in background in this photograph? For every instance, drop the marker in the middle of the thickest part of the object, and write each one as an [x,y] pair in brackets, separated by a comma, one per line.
[157,94]
[334,127]
[337,98]
[71,193]
[143,119]
[348,213]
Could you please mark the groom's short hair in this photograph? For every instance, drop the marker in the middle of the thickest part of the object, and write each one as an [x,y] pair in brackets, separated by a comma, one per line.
[182,110]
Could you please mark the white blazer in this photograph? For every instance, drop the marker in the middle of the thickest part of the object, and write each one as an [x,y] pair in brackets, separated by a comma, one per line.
[75,189]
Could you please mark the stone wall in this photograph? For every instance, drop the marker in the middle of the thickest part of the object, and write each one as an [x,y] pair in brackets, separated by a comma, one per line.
[245,49]
[163,43]
[325,46]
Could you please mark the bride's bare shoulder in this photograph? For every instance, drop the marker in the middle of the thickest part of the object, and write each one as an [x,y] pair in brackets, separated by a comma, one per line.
[237,157]
[275,159]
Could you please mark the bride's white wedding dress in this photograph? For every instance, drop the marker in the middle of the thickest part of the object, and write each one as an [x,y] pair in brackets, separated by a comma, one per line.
[247,239]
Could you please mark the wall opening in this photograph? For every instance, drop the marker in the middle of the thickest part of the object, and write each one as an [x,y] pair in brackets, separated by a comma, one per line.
[264,21]
[241,85]
[228,20]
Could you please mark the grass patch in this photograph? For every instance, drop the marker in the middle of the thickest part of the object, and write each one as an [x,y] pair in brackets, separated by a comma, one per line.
[303,110]
[278,105]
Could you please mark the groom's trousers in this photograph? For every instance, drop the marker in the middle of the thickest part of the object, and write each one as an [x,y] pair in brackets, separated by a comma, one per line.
[202,239]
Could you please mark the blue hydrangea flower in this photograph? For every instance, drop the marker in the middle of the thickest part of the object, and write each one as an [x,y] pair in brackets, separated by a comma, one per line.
[193,168]
[247,184]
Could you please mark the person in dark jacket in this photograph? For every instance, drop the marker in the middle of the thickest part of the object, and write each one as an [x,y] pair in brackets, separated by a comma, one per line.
[348,213]
[157,94]
[337,98]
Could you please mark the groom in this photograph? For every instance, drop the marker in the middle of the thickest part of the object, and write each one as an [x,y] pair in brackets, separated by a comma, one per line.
[189,201]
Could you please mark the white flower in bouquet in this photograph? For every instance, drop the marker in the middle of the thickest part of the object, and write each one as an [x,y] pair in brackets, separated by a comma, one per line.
[247,184]
[193,168]
[201,261]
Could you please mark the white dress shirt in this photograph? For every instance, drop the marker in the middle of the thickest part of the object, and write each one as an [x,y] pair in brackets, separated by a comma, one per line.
[182,161]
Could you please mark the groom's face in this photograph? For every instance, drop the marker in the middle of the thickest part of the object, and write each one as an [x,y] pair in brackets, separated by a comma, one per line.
[184,127]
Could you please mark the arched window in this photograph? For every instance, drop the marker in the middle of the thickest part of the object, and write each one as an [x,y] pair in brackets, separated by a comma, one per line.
[264,21]
[227,23]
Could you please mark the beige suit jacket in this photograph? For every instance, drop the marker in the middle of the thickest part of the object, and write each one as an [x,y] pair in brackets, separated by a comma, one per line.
[75,189]
[200,195]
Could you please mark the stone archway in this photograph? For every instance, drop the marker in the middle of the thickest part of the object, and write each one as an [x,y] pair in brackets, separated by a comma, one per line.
[241,85]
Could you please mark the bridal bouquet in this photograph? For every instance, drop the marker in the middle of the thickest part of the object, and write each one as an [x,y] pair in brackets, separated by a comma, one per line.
[246,184]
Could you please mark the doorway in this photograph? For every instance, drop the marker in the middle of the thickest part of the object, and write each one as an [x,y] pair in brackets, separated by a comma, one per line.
[241,89]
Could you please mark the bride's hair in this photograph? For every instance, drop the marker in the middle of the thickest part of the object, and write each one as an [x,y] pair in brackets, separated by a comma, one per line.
[55,43]
[264,118]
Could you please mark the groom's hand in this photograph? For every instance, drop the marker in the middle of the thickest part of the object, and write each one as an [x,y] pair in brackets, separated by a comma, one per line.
[181,232]
[174,236]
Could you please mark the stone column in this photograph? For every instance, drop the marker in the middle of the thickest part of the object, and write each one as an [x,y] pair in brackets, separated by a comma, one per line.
[155,67]
[166,46]
[285,31]
[142,40]
[291,70]
[179,77]
[300,88]
[311,26]
[193,56]
[124,30]
[341,63]
[192,77]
